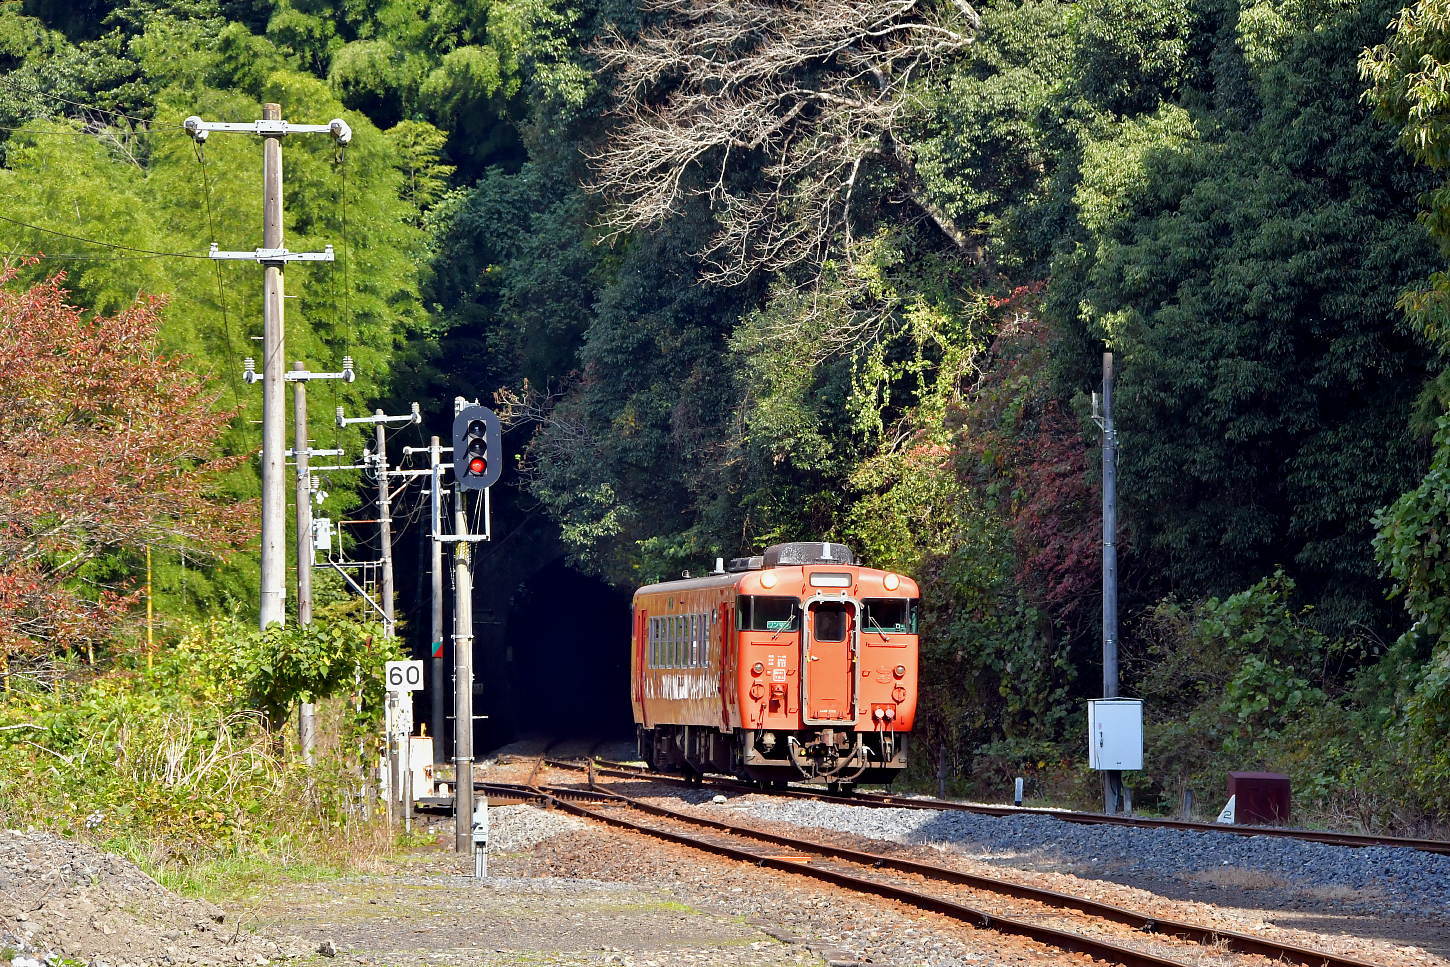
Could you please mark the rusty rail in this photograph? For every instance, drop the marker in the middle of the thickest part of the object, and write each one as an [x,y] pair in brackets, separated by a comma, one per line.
[886,800]
[583,802]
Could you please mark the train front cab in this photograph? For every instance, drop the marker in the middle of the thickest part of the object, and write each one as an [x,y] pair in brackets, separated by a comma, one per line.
[828,659]
[787,673]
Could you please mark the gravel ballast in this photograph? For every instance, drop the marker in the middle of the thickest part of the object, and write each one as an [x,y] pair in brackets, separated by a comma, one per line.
[1370,879]
[513,829]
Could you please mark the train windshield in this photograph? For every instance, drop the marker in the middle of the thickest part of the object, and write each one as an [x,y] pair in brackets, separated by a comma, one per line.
[762,613]
[890,615]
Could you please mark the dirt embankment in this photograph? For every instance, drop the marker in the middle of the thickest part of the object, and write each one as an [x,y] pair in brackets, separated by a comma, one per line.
[63,898]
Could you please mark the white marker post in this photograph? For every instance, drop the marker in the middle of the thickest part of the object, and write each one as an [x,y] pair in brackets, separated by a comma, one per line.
[480,838]
[400,678]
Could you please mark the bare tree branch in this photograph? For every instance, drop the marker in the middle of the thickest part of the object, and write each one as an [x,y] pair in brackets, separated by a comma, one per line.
[800,95]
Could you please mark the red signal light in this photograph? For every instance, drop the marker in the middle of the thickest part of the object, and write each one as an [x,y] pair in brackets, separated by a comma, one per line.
[477,465]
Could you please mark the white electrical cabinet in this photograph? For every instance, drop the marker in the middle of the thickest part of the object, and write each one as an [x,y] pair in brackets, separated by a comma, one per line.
[1115,733]
[322,534]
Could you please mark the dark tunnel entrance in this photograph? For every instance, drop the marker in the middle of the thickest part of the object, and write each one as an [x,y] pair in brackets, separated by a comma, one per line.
[556,663]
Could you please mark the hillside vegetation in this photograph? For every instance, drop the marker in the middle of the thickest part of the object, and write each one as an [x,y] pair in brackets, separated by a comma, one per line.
[768,270]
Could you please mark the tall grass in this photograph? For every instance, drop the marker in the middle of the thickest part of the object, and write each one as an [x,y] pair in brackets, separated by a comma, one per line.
[164,767]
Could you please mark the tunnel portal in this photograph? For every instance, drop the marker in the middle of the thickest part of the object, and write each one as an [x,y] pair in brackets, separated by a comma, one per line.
[555,662]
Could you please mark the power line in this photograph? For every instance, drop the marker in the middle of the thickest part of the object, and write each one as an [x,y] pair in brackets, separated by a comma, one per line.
[89,107]
[62,134]
[93,241]
[70,257]
[220,288]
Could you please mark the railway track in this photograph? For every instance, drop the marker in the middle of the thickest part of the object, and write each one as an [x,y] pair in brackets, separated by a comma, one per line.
[887,800]
[1064,921]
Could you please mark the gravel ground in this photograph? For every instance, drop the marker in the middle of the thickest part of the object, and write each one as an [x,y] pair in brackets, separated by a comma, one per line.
[429,916]
[566,893]
[1371,880]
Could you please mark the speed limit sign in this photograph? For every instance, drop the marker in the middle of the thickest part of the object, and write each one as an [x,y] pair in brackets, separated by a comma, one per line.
[404,676]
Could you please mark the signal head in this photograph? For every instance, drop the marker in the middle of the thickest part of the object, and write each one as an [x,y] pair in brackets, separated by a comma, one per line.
[477,448]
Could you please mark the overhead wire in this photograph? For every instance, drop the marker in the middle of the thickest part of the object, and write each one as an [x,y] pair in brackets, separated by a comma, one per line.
[75,257]
[62,134]
[220,287]
[95,241]
[65,100]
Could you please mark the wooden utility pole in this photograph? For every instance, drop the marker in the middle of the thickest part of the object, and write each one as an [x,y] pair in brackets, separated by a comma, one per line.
[273,257]
[462,678]
[307,723]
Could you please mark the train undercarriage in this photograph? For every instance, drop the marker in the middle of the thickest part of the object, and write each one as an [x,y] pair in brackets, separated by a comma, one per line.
[839,758]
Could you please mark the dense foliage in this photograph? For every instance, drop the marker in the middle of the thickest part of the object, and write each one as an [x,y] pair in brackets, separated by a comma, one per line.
[778,270]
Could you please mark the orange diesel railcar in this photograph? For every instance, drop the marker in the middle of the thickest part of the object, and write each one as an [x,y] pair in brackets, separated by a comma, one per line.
[799,664]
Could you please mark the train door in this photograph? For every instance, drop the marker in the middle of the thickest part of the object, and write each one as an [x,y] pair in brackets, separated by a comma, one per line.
[828,662]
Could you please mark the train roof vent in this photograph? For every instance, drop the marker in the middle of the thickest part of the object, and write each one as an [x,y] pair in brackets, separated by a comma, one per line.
[808,552]
[746,564]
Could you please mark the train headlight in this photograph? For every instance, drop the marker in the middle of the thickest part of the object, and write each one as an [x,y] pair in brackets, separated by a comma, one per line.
[768,580]
[900,671]
[757,668]
[892,582]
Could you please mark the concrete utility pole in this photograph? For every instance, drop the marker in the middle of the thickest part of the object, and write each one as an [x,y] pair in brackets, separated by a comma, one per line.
[385,527]
[385,524]
[396,806]
[307,724]
[462,678]
[398,724]
[274,495]
[1112,778]
[273,257]
[302,453]
[437,711]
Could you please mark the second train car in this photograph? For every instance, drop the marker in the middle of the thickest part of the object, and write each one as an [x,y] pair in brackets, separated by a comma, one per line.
[799,664]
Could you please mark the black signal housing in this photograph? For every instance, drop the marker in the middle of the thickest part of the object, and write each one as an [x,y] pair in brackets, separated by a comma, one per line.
[477,439]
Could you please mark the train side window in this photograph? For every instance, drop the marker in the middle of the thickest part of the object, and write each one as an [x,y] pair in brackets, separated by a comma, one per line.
[675,641]
[890,615]
[769,613]
[654,642]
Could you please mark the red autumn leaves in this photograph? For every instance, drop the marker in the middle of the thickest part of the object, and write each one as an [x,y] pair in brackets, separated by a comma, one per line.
[106,446]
